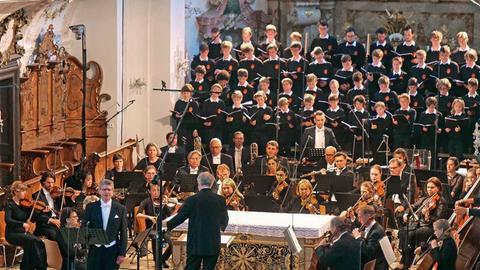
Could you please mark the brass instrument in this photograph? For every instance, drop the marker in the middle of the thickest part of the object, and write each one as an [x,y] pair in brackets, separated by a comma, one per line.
[311,204]
[197,143]
[253,152]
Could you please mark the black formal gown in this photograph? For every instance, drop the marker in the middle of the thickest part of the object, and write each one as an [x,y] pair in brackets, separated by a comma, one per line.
[34,256]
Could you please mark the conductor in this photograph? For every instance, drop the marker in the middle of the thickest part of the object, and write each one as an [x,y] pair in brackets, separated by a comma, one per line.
[207,215]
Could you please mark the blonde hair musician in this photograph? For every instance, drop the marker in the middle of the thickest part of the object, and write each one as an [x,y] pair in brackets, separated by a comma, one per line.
[233,197]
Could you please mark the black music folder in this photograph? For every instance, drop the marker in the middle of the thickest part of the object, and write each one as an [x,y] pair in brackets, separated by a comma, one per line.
[334,183]
[345,200]
[260,203]
[127,179]
[188,183]
[260,184]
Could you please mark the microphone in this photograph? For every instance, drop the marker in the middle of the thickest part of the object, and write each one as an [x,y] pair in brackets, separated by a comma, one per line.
[131,101]
[164,84]
[385,136]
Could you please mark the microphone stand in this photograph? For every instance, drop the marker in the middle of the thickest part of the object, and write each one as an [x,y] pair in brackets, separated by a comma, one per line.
[159,238]
[106,130]
[364,134]
[387,148]
[294,174]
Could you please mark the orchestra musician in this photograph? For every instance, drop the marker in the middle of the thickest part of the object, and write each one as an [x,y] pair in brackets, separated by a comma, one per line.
[442,247]
[148,210]
[341,168]
[280,187]
[47,227]
[271,151]
[216,157]
[149,176]
[18,223]
[470,179]
[172,147]
[192,168]
[151,151]
[455,180]
[272,166]
[118,166]
[334,255]
[428,210]
[233,197]
[367,197]
[369,235]
[223,172]
[239,153]
[376,180]
[305,202]
[73,253]
[88,188]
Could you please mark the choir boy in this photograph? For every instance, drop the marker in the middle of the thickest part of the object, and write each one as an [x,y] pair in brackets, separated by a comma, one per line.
[407,49]
[325,41]
[200,85]
[320,67]
[296,66]
[287,126]
[203,59]
[398,77]
[403,120]
[352,47]
[383,45]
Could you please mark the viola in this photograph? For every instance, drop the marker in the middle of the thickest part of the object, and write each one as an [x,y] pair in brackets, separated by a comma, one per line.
[39,205]
[379,188]
[278,189]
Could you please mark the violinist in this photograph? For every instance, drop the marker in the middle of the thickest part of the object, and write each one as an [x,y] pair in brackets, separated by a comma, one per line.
[376,180]
[305,202]
[118,166]
[342,252]
[73,253]
[148,210]
[279,189]
[88,190]
[428,210]
[442,247]
[149,175]
[369,235]
[48,227]
[272,166]
[151,152]
[17,218]
[223,172]
[367,197]
[455,180]
[233,197]
[462,210]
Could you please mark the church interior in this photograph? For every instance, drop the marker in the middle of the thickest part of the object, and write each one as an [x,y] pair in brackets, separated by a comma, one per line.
[304,112]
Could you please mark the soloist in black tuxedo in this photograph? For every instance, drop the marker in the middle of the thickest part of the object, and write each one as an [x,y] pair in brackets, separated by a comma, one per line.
[341,255]
[224,159]
[371,249]
[103,258]
[329,138]
[207,215]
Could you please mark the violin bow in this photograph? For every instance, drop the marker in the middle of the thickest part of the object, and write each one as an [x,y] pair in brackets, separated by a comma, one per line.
[234,192]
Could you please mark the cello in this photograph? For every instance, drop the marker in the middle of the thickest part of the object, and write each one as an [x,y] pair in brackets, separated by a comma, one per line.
[469,244]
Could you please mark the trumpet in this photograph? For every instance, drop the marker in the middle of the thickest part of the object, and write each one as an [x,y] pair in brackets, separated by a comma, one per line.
[253,152]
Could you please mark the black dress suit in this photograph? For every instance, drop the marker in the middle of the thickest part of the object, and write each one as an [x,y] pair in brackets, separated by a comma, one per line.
[185,170]
[329,138]
[224,159]
[371,249]
[446,255]
[43,227]
[245,156]
[103,258]
[178,150]
[207,215]
[341,255]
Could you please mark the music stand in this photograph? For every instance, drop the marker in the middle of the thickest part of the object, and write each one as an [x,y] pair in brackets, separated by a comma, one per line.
[260,203]
[169,171]
[138,242]
[423,175]
[394,186]
[261,183]
[345,200]
[188,183]
[125,179]
[341,183]
[315,153]
[323,183]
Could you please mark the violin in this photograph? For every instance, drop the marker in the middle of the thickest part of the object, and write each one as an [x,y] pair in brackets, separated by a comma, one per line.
[379,188]
[278,189]
[430,204]
[234,202]
[38,206]
[311,204]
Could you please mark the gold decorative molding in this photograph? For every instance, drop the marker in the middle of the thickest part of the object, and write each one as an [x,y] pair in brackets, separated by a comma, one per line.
[9,35]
